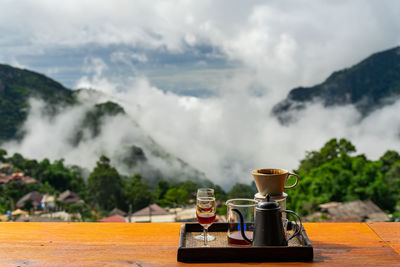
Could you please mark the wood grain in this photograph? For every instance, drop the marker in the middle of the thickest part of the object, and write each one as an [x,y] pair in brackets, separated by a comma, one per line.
[156,244]
[388,232]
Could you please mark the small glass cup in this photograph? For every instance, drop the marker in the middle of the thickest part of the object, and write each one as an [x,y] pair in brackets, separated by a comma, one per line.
[205,192]
[205,214]
[247,207]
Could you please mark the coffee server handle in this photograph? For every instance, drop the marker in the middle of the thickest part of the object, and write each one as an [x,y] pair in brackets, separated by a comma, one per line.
[297,180]
[299,228]
[242,226]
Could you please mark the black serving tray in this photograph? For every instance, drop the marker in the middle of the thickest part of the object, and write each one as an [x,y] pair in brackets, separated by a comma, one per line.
[190,250]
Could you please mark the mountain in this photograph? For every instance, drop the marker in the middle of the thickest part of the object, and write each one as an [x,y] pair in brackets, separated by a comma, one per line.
[16,87]
[101,126]
[368,85]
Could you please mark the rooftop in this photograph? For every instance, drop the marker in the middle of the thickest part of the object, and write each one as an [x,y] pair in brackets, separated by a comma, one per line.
[153,209]
[114,219]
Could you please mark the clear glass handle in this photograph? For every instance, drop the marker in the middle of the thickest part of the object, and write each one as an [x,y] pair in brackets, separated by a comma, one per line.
[299,226]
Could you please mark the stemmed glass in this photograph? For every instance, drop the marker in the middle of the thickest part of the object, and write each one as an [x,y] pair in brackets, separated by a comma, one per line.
[206,211]
[205,192]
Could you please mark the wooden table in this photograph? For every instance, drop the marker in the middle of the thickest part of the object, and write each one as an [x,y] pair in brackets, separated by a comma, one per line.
[156,244]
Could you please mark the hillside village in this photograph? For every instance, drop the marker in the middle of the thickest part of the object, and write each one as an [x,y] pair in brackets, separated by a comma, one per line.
[37,207]
[51,191]
[67,206]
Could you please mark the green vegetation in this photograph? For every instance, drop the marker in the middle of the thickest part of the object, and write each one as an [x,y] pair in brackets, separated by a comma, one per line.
[104,190]
[105,185]
[137,193]
[16,87]
[241,191]
[93,119]
[334,174]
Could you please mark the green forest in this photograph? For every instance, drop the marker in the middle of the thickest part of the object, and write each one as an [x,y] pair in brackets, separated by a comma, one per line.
[334,173]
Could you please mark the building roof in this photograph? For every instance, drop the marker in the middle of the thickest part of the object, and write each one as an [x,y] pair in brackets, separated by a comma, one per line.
[353,211]
[365,210]
[116,211]
[5,167]
[186,215]
[115,218]
[4,178]
[35,197]
[153,209]
[17,177]
[29,180]
[69,197]
[329,205]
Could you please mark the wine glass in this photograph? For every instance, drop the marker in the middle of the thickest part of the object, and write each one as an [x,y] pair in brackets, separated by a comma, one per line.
[205,192]
[205,213]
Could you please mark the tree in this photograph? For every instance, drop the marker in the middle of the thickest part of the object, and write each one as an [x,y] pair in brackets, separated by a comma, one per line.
[136,193]
[175,196]
[56,174]
[332,174]
[241,191]
[105,185]
[220,194]
[388,159]
[3,153]
[161,189]
[17,160]
[30,166]
[332,149]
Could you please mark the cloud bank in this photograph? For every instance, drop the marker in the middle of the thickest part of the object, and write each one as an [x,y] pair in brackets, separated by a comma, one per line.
[284,44]
[225,137]
[248,54]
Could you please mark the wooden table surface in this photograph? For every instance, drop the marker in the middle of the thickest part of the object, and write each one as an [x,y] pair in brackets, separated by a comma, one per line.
[156,244]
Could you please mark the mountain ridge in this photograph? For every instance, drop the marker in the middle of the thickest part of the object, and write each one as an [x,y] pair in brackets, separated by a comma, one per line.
[137,154]
[369,85]
[16,87]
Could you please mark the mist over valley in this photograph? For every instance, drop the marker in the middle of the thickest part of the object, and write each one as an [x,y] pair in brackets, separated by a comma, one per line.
[164,135]
[193,90]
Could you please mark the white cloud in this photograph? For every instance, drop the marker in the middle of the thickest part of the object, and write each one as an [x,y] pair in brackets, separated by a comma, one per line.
[126,58]
[226,137]
[229,136]
[301,41]
[277,45]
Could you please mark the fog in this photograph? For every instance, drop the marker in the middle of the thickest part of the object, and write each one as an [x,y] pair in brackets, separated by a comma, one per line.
[225,137]
[257,52]
[230,135]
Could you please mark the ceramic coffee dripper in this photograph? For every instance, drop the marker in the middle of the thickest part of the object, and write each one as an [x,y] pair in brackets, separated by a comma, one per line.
[272,181]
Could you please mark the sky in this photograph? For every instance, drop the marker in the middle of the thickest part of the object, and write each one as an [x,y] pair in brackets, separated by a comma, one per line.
[201,77]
